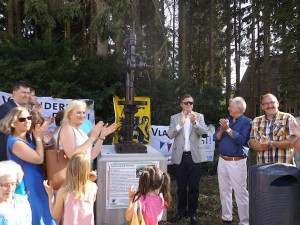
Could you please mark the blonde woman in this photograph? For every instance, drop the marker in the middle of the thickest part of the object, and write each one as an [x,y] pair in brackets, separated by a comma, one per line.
[75,199]
[16,124]
[73,139]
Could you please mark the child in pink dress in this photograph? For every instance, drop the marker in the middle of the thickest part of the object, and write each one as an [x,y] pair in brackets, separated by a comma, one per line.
[153,195]
[75,199]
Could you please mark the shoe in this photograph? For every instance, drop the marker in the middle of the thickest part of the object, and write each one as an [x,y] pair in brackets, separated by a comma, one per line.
[178,217]
[226,221]
[194,220]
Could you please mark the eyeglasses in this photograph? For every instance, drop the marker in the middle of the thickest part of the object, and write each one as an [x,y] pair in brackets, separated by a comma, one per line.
[188,103]
[269,103]
[5,186]
[22,119]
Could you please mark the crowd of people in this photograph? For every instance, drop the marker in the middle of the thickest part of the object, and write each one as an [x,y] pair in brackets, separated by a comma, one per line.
[23,131]
[275,136]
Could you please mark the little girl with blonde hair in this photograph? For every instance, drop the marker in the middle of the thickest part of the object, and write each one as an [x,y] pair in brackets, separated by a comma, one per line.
[75,199]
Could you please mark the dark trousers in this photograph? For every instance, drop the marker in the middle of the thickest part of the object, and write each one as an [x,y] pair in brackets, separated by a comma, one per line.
[188,176]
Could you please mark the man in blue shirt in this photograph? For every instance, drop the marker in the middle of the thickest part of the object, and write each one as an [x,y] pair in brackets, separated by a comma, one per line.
[233,135]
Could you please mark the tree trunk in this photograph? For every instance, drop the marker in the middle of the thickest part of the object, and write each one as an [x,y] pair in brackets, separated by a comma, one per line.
[237,42]
[266,22]
[252,64]
[10,17]
[136,11]
[228,52]
[183,42]
[102,46]
[18,19]
[211,40]
[160,52]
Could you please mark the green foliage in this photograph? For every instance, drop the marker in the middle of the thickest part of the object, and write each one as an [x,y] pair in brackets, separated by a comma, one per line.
[37,10]
[70,69]
[53,71]
[211,103]
[70,10]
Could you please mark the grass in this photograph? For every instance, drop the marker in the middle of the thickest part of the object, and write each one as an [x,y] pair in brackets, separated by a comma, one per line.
[209,209]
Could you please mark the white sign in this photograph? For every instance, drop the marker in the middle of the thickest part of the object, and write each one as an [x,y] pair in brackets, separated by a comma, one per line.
[120,176]
[50,106]
[161,142]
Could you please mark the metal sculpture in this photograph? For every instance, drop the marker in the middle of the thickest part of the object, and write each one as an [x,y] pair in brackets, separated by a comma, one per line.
[134,62]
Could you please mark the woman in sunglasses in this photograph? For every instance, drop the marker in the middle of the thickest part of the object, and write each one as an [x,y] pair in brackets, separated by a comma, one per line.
[16,124]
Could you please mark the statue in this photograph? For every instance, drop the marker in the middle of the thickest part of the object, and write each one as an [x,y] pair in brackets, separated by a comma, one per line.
[130,105]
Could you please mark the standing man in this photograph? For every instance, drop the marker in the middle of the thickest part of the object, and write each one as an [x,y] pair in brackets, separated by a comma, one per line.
[186,128]
[271,135]
[233,135]
[20,97]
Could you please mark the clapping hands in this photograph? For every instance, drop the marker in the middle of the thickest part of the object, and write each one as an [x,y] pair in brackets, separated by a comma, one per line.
[295,129]
[102,130]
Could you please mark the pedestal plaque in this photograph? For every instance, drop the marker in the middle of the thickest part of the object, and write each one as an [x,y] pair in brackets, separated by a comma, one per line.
[116,173]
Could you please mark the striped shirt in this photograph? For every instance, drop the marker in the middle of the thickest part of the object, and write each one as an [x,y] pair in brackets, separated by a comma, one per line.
[277,129]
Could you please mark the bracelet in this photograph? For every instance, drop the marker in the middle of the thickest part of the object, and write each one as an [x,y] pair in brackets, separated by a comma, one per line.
[38,139]
[102,139]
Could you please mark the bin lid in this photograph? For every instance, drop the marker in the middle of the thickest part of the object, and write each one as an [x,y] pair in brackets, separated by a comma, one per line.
[264,175]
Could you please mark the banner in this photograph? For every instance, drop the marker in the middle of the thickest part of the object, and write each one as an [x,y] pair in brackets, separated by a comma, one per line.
[161,142]
[142,121]
[50,106]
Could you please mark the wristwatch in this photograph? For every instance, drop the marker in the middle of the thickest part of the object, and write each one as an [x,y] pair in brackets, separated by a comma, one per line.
[271,144]
[228,130]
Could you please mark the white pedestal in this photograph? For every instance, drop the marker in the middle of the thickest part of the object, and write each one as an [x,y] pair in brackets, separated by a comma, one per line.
[106,212]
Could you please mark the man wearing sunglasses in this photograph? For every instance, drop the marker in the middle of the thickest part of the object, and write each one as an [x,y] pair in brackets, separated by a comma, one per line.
[20,97]
[186,128]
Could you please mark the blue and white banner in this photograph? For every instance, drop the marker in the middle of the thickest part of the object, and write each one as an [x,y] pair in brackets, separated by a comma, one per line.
[161,142]
[50,106]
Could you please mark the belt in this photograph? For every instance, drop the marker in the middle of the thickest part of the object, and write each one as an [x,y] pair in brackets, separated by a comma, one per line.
[187,153]
[237,158]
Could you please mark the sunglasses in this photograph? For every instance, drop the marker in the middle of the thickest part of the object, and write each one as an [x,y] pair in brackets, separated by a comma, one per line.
[22,119]
[188,103]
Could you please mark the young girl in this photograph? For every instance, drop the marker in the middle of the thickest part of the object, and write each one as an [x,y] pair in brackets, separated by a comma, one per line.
[75,199]
[153,193]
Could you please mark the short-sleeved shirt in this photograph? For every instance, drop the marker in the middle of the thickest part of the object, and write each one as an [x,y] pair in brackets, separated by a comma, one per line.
[277,129]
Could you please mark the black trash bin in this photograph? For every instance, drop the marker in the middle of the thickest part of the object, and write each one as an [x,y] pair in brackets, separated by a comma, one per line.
[274,194]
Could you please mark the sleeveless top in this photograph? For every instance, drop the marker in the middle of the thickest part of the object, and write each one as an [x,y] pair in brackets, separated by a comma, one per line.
[80,138]
[152,208]
[80,211]
[33,184]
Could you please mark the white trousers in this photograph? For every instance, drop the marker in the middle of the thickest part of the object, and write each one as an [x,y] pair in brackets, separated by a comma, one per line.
[232,175]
